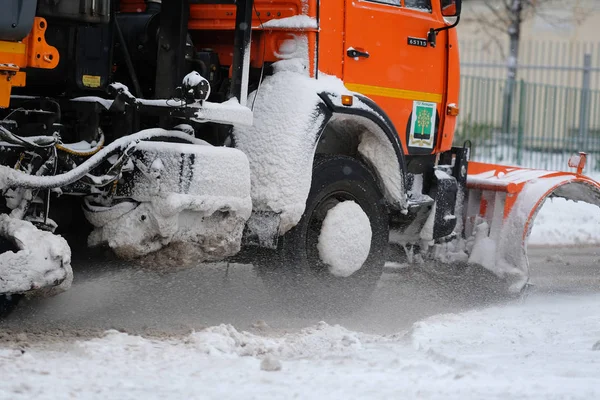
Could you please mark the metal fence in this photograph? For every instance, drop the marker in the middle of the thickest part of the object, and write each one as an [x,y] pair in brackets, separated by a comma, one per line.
[549,123]
[564,63]
[555,111]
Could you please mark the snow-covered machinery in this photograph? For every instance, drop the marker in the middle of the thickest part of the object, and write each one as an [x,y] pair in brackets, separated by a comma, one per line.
[304,136]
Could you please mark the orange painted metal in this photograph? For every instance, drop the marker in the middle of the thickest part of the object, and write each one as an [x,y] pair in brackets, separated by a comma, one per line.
[39,53]
[451,92]
[10,77]
[399,59]
[222,17]
[331,38]
[13,53]
[212,26]
[502,203]
[512,180]
[32,52]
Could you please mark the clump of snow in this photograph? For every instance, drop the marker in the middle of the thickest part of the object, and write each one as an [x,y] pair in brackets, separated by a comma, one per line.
[194,201]
[426,233]
[376,148]
[94,99]
[193,79]
[294,22]
[483,251]
[295,47]
[415,194]
[42,260]
[83,146]
[574,161]
[345,239]
[226,341]
[229,112]
[270,363]
[280,144]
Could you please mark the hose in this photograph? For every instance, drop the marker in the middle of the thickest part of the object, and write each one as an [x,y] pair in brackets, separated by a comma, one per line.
[12,178]
[41,142]
[83,153]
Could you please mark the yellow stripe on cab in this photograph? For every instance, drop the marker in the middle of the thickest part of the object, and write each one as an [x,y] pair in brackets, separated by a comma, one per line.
[394,93]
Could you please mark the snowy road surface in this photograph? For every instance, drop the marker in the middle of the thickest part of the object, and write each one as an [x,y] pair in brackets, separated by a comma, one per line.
[204,334]
[541,348]
[211,333]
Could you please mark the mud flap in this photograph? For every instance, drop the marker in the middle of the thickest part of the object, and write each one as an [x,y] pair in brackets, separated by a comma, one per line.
[501,207]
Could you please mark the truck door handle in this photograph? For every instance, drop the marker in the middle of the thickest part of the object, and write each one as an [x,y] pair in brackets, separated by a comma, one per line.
[352,52]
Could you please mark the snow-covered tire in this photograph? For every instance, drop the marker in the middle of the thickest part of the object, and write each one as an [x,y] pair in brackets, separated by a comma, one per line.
[295,275]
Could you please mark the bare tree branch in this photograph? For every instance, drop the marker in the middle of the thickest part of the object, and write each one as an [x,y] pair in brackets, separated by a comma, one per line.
[501,16]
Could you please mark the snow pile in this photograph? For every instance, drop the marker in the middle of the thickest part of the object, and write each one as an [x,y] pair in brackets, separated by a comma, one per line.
[226,341]
[345,239]
[42,260]
[566,222]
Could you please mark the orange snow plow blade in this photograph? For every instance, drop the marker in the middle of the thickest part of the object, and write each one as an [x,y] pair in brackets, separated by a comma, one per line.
[501,205]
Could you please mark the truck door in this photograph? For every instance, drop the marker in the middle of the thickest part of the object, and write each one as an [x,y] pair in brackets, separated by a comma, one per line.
[389,60]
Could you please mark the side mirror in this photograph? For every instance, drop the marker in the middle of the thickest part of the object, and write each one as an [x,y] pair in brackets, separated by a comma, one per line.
[451,8]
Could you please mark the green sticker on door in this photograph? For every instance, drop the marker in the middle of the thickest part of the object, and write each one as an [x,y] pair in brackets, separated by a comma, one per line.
[422,126]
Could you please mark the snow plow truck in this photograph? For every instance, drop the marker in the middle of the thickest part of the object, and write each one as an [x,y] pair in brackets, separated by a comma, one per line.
[308,137]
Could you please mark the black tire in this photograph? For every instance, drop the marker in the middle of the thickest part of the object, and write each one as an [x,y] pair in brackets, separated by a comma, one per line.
[295,276]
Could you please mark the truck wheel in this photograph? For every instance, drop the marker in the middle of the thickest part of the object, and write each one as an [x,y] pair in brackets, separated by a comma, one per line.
[333,258]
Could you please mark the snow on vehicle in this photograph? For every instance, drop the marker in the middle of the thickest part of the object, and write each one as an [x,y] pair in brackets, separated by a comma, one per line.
[193,130]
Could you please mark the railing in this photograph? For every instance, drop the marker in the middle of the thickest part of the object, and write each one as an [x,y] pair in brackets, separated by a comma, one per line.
[563,63]
[548,123]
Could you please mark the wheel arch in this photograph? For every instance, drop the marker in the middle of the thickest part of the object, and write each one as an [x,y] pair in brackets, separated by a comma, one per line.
[365,131]
[292,123]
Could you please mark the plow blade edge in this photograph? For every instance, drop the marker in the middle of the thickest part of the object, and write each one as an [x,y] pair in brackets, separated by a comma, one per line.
[501,205]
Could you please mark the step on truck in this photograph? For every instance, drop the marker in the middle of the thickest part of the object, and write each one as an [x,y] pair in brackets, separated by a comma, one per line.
[308,137]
